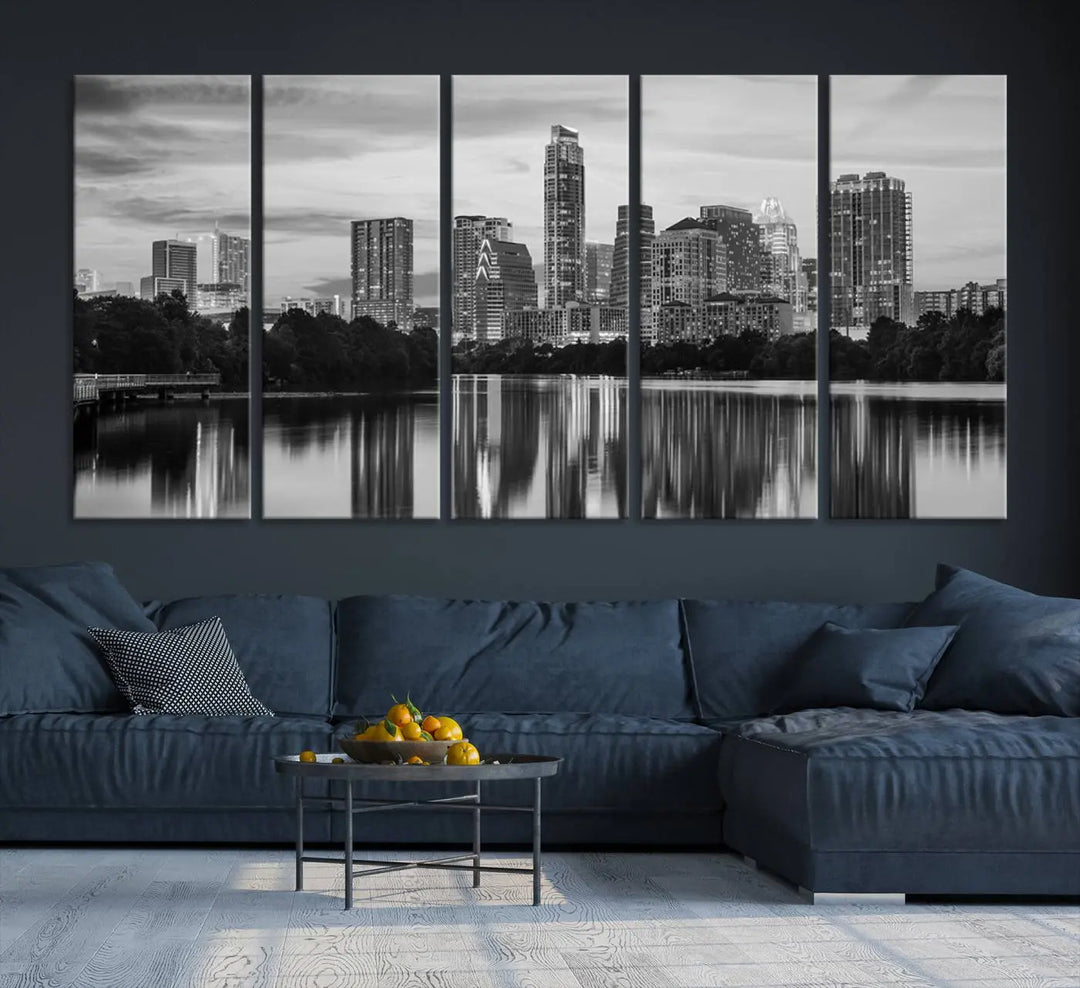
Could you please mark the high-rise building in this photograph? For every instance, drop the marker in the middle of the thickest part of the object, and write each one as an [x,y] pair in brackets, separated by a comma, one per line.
[505,283]
[689,264]
[87,280]
[331,305]
[735,227]
[564,218]
[782,272]
[232,259]
[221,257]
[382,271]
[219,297]
[571,323]
[871,247]
[619,293]
[469,233]
[974,297]
[810,272]
[173,266]
[598,261]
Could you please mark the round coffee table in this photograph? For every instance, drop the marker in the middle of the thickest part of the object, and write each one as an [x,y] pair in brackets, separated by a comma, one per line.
[510,767]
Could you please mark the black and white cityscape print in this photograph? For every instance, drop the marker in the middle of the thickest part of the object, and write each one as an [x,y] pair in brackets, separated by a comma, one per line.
[918,296]
[351,317]
[729,296]
[162,174]
[915,296]
[539,316]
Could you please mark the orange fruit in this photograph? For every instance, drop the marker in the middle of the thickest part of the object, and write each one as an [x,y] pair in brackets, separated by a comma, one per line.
[411,731]
[337,761]
[449,730]
[308,756]
[431,724]
[399,714]
[415,760]
[462,753]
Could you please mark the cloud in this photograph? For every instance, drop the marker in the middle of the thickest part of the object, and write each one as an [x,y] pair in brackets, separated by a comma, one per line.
[119,95]
[173,213]
[487,106]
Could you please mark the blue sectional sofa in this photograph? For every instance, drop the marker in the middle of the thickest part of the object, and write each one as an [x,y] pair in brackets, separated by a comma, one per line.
[662,711]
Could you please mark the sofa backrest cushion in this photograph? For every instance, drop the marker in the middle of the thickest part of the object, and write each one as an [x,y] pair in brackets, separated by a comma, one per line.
[1015,652]
[284,644]
[48,661]
[740,650]
[471,656]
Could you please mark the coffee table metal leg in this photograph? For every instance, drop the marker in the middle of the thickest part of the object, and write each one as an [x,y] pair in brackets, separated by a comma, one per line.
[348,844]
[299,833]
[536,842]
[476,840]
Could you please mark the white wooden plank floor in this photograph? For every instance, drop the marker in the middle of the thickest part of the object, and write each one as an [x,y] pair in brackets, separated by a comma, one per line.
[167,918]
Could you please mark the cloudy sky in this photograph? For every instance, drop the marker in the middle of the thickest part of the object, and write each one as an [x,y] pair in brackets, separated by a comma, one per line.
[945,136]
[157,156]
[501,126]
[343,148]
[732,140]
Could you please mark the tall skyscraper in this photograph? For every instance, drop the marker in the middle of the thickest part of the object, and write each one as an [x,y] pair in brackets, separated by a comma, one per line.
[173,265]
[871,246]
[689,265]
[469,233]
[505,283]
[782,273]
[221,257]
[598,261]
[736,229]
[382,271]
[564,218]
[232,259]
[620,264]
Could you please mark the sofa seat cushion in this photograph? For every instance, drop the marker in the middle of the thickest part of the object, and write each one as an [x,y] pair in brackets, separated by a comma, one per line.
[865,780]
[48,661]
[284,644]
[741,651]
[159,761]
[613,763]
[469,656]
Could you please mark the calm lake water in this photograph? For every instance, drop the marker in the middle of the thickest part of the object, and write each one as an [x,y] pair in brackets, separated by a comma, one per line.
[186,459]
[351,456]
[729,449]
[918,450]
[555,447]
[536,446]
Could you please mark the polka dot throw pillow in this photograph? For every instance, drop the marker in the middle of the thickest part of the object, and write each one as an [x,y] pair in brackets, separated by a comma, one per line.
[188,670]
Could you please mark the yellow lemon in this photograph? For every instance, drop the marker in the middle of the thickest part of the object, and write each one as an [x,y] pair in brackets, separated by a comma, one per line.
[462,753]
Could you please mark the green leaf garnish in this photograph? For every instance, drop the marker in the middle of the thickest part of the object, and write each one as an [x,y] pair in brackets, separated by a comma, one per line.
[425,736]
[391,728]
[413,709]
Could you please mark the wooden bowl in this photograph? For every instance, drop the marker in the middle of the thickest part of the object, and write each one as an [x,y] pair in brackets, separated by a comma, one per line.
[394,751]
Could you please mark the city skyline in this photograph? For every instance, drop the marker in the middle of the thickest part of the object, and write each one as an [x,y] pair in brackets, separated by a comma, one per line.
[341,149]
[731,140]
[944,136]
[502,126]
[157,158]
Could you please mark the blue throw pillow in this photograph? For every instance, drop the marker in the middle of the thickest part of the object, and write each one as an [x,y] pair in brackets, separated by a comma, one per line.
[48,661]
[1015,652]
[883,669]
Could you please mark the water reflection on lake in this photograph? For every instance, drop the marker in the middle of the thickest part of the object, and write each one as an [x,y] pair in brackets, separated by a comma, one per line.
[536,446]
[723,449]
[351,456]
[918,450]
[185,459]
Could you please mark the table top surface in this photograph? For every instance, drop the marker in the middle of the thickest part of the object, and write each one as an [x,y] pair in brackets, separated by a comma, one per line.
[509,766]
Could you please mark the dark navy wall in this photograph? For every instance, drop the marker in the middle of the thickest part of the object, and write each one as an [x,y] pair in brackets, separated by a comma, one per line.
[1038,547]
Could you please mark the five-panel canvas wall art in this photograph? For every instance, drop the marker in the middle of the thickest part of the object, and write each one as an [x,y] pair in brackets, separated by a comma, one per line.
[711,285]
